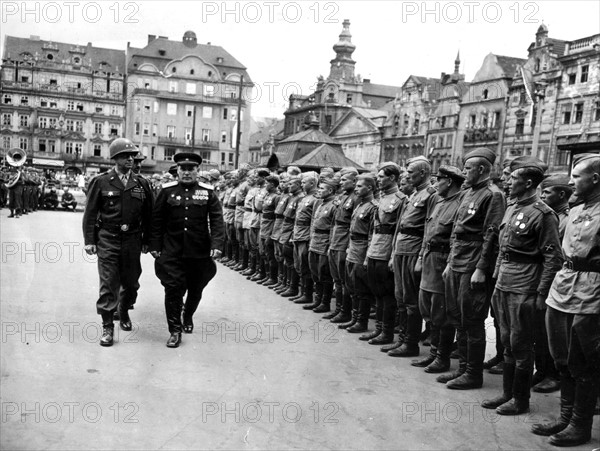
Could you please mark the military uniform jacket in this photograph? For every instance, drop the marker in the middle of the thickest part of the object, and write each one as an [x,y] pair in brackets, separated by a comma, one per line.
[361,229]
[530,252]
[320,229]
[112,206]
[257,207]
[289,217]
[475,234]
[181,218]
[384,223]
[304,214]
[340,233]
[249,206]
[279,209]
[240,196]
[563,218]
[436,241]
[411,226]
[229,206]
[576,287]
[267,220]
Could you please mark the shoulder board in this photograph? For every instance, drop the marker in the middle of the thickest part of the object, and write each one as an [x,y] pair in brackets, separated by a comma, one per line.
[431,190]
[170,184]
[206,186]
[540,205]
[375,202]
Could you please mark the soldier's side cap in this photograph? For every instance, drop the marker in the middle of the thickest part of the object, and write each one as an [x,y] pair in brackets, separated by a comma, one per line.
[481,152]
[580,158]
[214,174]
[310,174]
[558,180]
[187,158]
[348,170]
[120,146]
[452,172]
[325,171]
[388,164]
[529,162]
[331,181]
[506,162]
[262,172]
[139,157]
[418,159]
[294,170]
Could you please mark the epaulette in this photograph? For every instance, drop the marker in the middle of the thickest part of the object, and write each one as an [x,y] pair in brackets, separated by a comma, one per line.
[431,190]
[205,186]
[375,202]
[540,205]
[170,184]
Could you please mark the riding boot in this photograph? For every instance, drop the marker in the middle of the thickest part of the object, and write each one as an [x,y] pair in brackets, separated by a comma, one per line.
[345,313]
[461,337]
[387,331]
[339,300]
[434,336]
[579,430]
[362,318]
[351,322]
[307,296]
[410,345]
[473,377]
[444,349]
[251,268]
[521,392]
[325,305]
[374,334]
[508,382]
[567,399]
[293,284]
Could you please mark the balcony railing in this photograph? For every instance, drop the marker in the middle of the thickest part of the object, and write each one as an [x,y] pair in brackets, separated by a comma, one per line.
[198,143]
[481,134]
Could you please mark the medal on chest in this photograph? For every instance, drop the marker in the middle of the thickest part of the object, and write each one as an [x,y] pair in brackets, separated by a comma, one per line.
[471,209]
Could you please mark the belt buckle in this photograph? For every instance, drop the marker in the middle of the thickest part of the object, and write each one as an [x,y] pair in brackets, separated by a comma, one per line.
[505,257]
[124,227]
[569,264]
[428,247]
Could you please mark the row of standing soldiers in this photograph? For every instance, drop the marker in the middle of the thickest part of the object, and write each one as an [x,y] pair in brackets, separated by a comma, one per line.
[443,255]
[20,190]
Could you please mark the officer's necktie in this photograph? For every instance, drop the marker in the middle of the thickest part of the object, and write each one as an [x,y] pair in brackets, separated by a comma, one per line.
[124,179]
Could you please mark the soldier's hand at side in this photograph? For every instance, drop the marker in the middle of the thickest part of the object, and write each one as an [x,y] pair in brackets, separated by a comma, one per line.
[540,302]
[419,265]
[445,273]
[90,249]
[144,248]
[391,264]
[155,254]
[215,253]
[478,278]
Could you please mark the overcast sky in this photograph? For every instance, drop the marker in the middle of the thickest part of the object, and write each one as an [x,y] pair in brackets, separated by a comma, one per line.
[286,45]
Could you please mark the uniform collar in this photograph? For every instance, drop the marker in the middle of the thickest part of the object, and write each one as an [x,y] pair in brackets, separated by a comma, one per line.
[592,200]
[391,190]
[528,200]
[562,209]
[423,186]
[481,184]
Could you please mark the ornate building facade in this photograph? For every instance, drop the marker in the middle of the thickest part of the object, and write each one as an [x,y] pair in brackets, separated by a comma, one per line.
[61,103]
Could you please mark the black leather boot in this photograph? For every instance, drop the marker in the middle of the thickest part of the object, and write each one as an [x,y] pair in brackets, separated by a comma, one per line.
[473,377]
[293,284]
[339,301]
[124,320]
[508,378]
[351,322]
[315,291]
[579,430]
[521,391]
[461,349]
[362,317]
[325,305]
[373,334]
[174,340]
[108,329]
[346,312]
[567,399]
[444,348]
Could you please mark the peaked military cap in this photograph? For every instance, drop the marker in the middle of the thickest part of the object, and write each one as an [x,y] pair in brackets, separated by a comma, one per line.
[481,152]
[139,157]
[187,158]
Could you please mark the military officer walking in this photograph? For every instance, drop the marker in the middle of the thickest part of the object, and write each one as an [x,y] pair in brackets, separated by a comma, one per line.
[183,243]
[116,226]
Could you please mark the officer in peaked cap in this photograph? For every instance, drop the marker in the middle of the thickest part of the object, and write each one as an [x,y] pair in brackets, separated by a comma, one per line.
[450,172]
[116,226]
[183,244]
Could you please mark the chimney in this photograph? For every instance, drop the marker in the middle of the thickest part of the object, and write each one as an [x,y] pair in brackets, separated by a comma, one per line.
[366,80]
[151,37]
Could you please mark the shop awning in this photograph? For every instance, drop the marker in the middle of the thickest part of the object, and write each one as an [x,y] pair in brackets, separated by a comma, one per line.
[47,162]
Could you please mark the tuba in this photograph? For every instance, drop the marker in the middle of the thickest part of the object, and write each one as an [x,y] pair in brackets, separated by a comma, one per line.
[15,157]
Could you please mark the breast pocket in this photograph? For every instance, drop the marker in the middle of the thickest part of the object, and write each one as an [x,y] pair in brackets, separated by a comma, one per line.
[110,199]
[138,194]
[174,201]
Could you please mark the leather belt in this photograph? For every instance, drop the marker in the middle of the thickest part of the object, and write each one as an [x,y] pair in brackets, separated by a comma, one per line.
[438,247]
[278,216]
[229,207]
[580,265]
[385,229]
[288,220]
[120,228]
[359,236]
[469,237]
[521,258]
[321,231]
[247,209]
[411,232]
[268,215]
[303,222]
[342,223]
